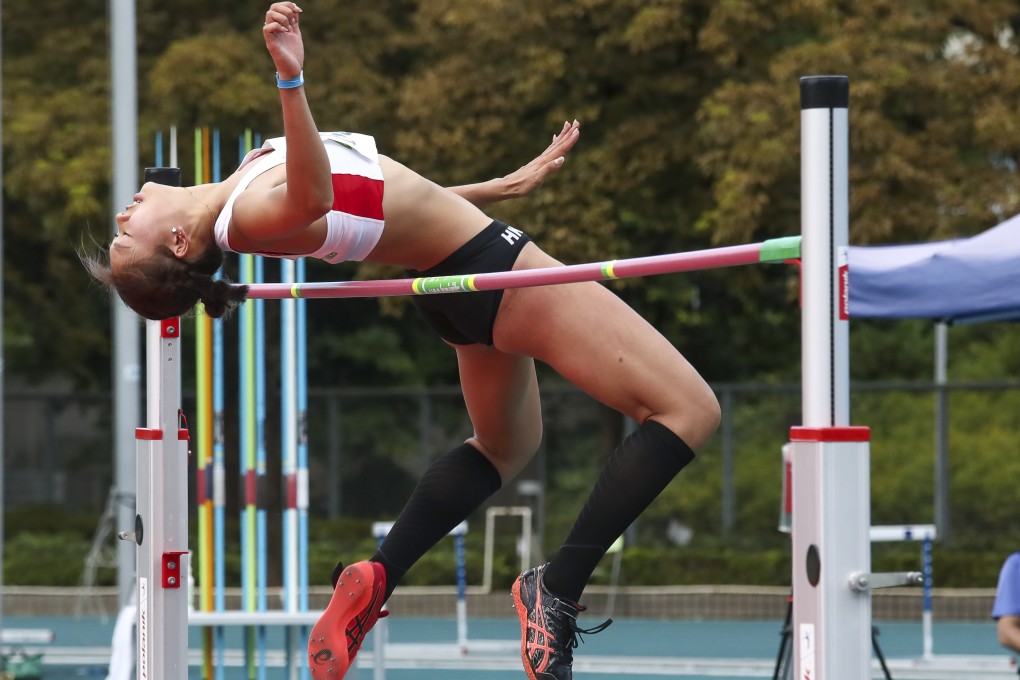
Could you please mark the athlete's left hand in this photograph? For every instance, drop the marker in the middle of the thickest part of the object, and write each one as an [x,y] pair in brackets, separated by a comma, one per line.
[524,180]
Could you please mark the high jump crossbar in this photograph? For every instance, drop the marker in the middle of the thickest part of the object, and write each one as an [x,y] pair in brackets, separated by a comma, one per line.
[772,250]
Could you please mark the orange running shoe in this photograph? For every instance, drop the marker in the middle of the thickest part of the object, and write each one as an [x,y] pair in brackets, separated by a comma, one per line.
[549,630]
[356,605]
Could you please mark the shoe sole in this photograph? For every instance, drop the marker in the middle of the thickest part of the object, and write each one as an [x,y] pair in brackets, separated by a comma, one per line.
[351,595]
[522,616]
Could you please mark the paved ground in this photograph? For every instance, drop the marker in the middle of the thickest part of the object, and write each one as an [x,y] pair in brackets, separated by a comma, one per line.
[425,649]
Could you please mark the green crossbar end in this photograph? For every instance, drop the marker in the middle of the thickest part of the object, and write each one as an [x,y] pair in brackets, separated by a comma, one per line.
[780,249]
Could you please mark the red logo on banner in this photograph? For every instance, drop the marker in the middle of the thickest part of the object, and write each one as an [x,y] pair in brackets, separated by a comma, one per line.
[844,293]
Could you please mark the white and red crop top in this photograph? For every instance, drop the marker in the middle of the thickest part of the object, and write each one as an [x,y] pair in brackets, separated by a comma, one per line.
[355,222]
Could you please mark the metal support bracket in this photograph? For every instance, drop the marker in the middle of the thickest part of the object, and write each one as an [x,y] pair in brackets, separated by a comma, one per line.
[172,569]
[861,581]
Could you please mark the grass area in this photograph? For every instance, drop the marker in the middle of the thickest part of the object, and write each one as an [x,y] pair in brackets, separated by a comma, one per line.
[46,546]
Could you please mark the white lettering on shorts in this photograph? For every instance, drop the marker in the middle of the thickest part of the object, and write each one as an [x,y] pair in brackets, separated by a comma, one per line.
[512,235]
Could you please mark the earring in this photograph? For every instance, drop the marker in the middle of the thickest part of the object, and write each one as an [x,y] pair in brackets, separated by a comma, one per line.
[174,230]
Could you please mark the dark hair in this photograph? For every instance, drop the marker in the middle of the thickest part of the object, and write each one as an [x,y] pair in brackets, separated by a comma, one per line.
[163,285]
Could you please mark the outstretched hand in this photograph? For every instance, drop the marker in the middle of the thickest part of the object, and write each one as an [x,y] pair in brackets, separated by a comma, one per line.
[283,39]
[523,181]
[528,178]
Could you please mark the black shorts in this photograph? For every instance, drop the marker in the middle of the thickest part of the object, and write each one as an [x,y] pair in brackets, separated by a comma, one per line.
[468,318]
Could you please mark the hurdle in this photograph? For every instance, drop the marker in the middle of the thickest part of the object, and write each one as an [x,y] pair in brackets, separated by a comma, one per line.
[379,532]
[463,644]
[925,534]
[831,490]
[524,513]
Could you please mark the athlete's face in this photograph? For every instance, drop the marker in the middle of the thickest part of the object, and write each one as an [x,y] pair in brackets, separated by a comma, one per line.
[156,217]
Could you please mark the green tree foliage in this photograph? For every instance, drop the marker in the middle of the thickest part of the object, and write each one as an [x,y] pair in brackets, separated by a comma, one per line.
[931,86]
[690,133]
[56,177]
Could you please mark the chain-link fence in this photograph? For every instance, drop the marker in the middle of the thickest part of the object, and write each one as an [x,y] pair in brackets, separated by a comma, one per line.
[367,447]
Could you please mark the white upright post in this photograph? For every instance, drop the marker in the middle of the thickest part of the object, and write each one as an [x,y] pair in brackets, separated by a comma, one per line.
[161,527]
[830,468]
[825,232]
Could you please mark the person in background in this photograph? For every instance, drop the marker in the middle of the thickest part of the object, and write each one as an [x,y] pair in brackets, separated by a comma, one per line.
[1006,610]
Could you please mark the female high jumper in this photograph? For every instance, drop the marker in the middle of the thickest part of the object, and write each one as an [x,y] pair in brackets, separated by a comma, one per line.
[333,196]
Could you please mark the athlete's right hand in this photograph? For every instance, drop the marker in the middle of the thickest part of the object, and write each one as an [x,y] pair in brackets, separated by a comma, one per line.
[283,39]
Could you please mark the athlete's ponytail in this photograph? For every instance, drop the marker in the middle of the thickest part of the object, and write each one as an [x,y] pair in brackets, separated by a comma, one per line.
[162,285]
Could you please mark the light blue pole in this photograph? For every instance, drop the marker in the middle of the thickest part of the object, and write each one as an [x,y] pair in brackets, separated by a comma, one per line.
[288,448]
[260,460]
[246,418]
[301,365]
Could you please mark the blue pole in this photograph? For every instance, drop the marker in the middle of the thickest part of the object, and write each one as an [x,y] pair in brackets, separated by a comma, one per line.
[926,562]
[928,642]
[462,633]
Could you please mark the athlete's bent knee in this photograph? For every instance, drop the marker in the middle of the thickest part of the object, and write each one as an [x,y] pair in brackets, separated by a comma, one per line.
[711,416]
[697,419]
[509,460]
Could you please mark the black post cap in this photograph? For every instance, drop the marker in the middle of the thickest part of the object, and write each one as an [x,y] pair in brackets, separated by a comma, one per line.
[824,92]
[168,176]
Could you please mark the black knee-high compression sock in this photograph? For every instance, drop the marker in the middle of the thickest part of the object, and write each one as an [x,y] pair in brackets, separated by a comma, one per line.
[635,474]
[450,490]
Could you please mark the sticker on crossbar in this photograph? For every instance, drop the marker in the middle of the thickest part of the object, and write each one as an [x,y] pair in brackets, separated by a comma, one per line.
[431,285]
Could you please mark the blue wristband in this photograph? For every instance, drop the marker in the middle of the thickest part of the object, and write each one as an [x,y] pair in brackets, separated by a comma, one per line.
[292,83]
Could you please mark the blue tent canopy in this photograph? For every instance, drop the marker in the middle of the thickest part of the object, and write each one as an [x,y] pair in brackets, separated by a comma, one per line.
[964,280]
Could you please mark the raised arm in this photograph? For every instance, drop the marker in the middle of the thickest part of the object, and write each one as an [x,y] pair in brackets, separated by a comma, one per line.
[526,179]
[308,192]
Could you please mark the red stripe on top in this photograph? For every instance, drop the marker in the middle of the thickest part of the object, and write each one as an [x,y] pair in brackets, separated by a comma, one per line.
[291,483]
[358,195]
[251,494]
[200,490]
[830,434]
